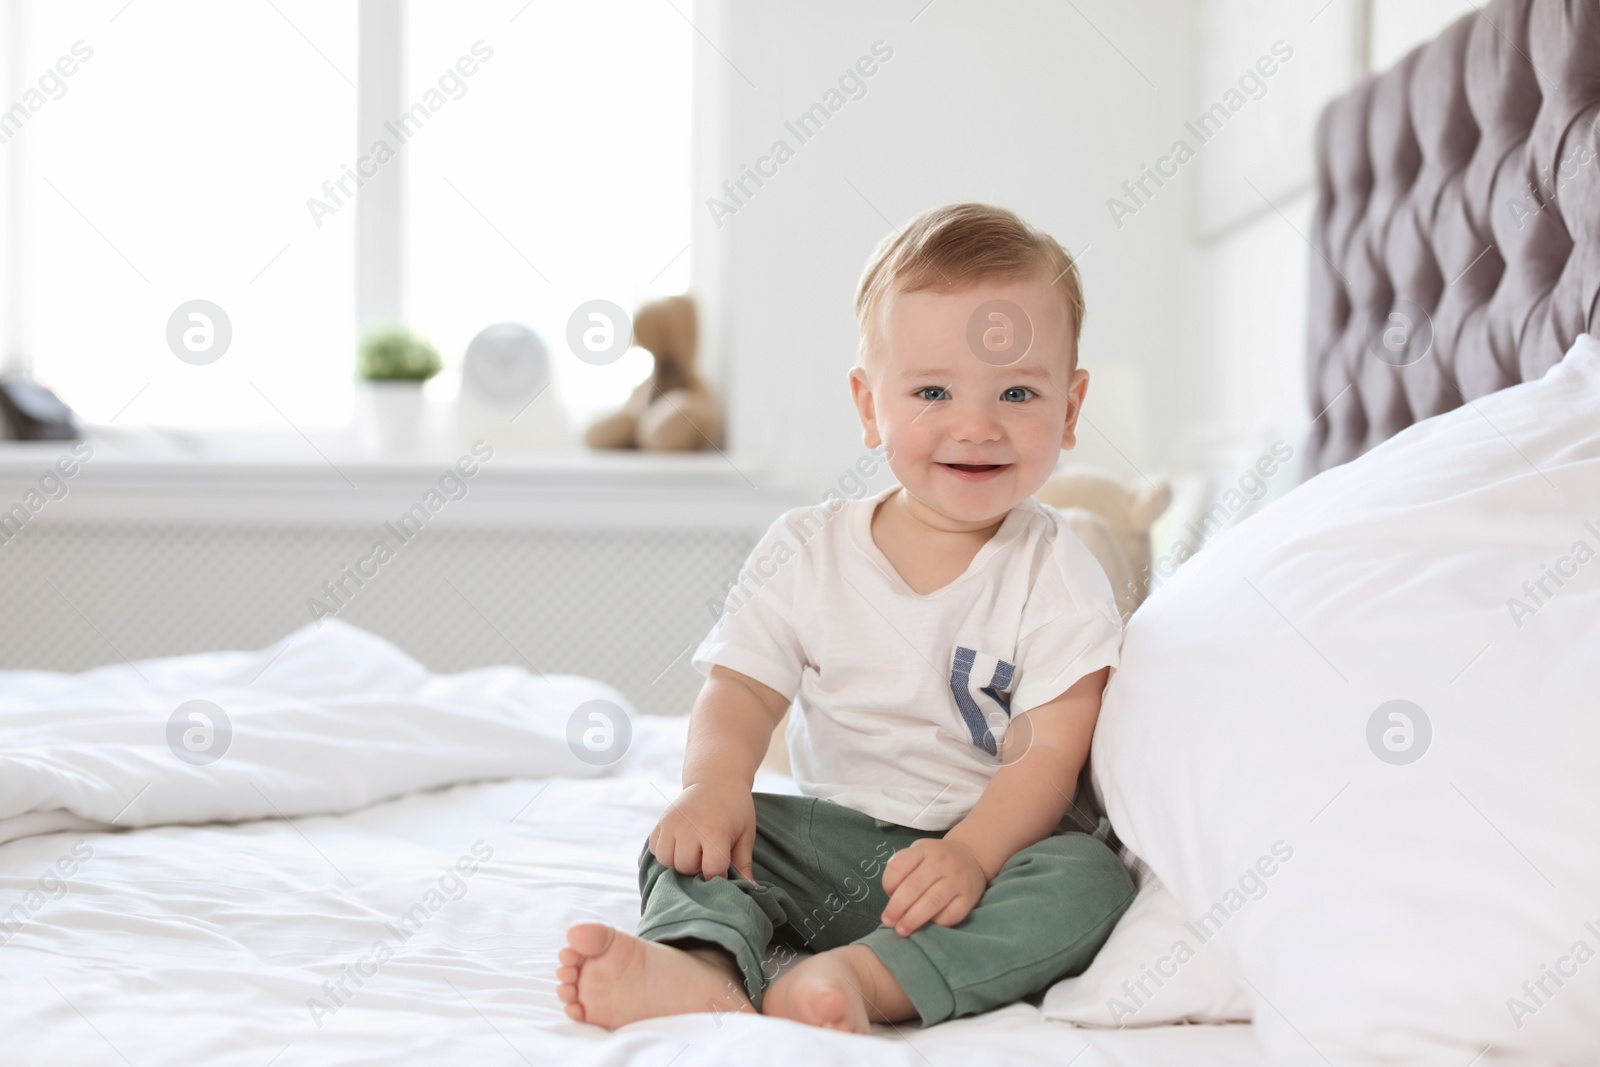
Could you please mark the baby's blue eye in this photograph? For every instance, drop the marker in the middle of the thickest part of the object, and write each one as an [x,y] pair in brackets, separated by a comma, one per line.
[940,389]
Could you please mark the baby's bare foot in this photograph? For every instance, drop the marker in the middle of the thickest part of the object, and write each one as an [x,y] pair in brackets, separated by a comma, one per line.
[827,990]
[610,978]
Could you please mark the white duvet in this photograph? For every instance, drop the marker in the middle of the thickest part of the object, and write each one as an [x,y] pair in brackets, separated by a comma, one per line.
[329,719]
[384,866]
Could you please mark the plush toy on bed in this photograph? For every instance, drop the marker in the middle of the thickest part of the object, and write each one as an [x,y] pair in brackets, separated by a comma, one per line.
[1113,520]
[672,410]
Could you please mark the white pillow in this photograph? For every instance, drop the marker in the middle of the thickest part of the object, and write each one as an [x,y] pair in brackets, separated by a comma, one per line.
[1417,912]
[1157,967]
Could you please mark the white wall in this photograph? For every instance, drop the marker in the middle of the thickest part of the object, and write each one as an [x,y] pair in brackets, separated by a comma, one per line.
[1030,105]
[1400,25]
[1195,344]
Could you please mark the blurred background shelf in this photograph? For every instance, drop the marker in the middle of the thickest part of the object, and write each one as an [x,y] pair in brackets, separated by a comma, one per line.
[608,565]
[239,479]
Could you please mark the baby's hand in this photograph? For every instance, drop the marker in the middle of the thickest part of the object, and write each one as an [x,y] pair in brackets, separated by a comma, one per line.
[932,879]
[706,830]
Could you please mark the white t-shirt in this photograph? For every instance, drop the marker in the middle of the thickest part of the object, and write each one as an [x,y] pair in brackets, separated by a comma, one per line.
[900,699]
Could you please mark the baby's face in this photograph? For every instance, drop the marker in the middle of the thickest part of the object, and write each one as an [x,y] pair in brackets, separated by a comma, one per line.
[947,390]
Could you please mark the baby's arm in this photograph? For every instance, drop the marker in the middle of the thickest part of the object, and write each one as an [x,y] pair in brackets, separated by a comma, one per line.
[1043,752]
[711,826]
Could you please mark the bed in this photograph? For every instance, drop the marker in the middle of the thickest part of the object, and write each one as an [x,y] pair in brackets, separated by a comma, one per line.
[169,943]
[1457,228]
[158,908]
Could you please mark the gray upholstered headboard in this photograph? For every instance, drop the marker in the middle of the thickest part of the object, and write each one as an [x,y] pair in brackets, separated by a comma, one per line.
[1457,227]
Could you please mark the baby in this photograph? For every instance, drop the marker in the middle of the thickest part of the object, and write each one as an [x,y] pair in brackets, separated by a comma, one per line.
[945,642]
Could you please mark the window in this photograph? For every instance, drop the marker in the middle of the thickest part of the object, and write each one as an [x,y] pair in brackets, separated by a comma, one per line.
[560,176]
[177,161]
[175,166]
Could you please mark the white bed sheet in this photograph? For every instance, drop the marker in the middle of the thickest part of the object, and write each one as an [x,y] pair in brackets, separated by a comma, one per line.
[205,944]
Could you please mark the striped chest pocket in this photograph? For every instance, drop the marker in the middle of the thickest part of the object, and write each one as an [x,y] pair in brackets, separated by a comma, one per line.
[981,684]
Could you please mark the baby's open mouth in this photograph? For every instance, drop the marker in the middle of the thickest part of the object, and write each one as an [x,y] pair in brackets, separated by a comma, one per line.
[974,468]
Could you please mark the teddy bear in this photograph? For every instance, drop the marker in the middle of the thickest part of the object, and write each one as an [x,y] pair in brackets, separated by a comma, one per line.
[1113,520]
[672,410]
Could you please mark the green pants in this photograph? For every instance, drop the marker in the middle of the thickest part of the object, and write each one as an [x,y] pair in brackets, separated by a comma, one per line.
[819,884]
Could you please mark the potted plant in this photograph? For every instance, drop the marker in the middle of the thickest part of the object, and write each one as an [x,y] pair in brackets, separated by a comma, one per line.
[394,362]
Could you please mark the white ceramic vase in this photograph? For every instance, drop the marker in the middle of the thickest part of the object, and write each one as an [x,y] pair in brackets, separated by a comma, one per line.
[389,417]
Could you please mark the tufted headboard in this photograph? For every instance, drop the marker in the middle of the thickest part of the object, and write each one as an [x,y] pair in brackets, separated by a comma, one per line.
[1457,228]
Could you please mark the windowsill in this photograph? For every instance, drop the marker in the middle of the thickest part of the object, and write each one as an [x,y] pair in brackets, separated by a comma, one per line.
[271,478]
[252,451]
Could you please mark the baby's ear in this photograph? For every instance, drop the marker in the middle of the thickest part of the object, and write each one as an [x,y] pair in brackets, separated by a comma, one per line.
[1148,502]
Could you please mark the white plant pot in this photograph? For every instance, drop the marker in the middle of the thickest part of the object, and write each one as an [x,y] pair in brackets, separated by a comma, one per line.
[389,416]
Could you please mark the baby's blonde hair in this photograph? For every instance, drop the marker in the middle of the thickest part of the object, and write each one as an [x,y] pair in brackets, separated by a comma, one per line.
[952,247]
